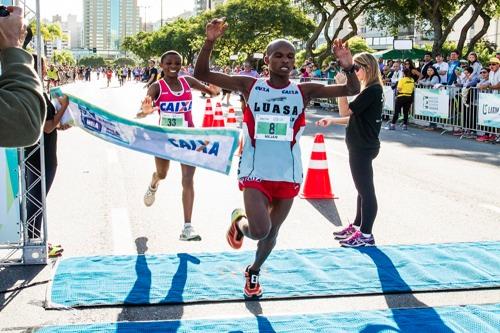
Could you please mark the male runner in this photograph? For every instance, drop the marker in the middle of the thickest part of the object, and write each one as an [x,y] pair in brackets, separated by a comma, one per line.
[270,170]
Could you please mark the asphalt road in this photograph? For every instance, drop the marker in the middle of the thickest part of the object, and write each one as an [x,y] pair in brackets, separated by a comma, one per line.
[431,188]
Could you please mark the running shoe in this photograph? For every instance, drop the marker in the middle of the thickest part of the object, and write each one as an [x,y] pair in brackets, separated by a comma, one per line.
[344,233]
[149,197]
[189,234]
[234,236]
[252,285]
[405,127]
[390,127]
[55,250]
[358,240]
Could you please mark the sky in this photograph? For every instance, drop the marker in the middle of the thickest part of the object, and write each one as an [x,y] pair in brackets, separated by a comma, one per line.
[49,8]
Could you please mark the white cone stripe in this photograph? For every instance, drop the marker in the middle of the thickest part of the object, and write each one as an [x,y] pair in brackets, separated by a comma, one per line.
[318,164]
[319,148]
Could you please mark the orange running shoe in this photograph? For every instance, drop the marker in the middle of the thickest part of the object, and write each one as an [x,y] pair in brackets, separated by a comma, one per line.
[234,236]
[252,285]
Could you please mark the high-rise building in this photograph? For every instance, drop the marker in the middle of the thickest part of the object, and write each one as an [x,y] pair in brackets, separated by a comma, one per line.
[75,31]
[107,22]
[201,5]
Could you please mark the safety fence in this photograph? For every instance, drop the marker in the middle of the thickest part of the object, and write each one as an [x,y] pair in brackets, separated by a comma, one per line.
[451,108]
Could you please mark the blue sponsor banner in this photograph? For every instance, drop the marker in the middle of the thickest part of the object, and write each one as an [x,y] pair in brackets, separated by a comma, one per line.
[209,148]
[10,221]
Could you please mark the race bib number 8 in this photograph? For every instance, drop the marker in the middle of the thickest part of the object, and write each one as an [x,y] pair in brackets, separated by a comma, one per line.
[276,128]
[172,120]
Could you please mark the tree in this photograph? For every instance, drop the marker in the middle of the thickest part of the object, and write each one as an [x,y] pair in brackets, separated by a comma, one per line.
[330,11]
[92,61]
[253,24]
[64,57]
[440,16]
[124,62]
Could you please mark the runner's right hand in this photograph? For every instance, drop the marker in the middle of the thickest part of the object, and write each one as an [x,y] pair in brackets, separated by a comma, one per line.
[146,105]
[216,28]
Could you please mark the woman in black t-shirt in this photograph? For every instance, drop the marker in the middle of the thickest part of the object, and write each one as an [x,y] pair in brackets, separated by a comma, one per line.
[363,117]
[33,166]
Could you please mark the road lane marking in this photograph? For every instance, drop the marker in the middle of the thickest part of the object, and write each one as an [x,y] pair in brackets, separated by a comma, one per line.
[122,237]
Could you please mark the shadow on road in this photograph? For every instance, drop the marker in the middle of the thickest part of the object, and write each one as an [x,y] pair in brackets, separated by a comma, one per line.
[15,278]
[328,209]
[140,293]
[389,276]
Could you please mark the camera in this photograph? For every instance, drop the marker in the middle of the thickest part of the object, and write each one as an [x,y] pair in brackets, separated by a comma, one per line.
[29,33]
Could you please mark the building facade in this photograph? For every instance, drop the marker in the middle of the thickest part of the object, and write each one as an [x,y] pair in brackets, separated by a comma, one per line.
[107,22]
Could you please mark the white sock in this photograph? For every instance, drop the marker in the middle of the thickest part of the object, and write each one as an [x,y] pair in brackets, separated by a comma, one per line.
[366,235]
[187,225]
[356,226]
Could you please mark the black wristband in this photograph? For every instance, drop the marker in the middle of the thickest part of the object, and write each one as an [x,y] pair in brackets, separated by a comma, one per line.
[348,71]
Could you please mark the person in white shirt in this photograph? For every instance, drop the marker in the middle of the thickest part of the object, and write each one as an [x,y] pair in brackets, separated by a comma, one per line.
[494,76]
[442,68]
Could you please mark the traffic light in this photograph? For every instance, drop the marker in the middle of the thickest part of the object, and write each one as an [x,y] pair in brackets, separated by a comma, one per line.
[94,50]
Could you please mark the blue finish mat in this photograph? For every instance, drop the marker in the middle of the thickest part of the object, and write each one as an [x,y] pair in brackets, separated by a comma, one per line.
[467,319]
[185,278]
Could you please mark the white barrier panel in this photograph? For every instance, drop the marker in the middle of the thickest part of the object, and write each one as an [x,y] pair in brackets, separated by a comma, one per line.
[489,110]
[388,98]
[10,222]
[432,102]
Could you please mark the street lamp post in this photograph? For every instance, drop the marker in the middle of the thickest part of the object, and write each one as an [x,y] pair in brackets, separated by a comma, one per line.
[145,16]
[161,13]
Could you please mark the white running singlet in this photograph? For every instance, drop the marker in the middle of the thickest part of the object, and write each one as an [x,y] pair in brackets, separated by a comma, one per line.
[273,122]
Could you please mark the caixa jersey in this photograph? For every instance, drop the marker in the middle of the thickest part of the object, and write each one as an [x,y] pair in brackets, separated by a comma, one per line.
[175,106]
[273,122]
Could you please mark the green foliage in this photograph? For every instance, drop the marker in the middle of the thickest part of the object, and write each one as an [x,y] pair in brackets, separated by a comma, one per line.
[63,57]
[93,61]
[124,62]
[300,57]
[49,32]
[485,50]
[252,25]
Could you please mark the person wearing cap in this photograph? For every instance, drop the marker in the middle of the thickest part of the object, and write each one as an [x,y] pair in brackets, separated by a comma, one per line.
[494,76]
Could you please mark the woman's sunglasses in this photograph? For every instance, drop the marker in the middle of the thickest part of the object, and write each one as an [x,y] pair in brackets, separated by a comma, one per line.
[356,67]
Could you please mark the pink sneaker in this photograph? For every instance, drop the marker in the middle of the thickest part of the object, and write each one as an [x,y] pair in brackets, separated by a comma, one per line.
[358,240]
[344,233]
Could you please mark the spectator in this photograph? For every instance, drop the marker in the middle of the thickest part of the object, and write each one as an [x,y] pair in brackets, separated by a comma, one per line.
[152,74]
[494,76]
[452,65]
[21,92]
[427,63]
[380,64]
[386,72]
[475,64]
[431,77]
[442,69]
[484,79]
[415,73]
[406,86]
[468,80]
[316,72]
[396,74]
[33,161]
[331,71]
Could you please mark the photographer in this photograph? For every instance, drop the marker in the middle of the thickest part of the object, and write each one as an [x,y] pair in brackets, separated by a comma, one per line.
[22,106]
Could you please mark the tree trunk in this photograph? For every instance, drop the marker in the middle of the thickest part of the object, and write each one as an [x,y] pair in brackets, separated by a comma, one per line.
[310,42]
[465,30]
[486,24]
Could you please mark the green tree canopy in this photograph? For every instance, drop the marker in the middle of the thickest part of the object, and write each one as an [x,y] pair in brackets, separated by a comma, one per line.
[92,61]
[124,62]
[63,57]
[252,25]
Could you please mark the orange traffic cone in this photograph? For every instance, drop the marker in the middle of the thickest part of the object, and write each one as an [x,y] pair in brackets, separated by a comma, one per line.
[218,117]
[231,118]
[208,118]
[317,184]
